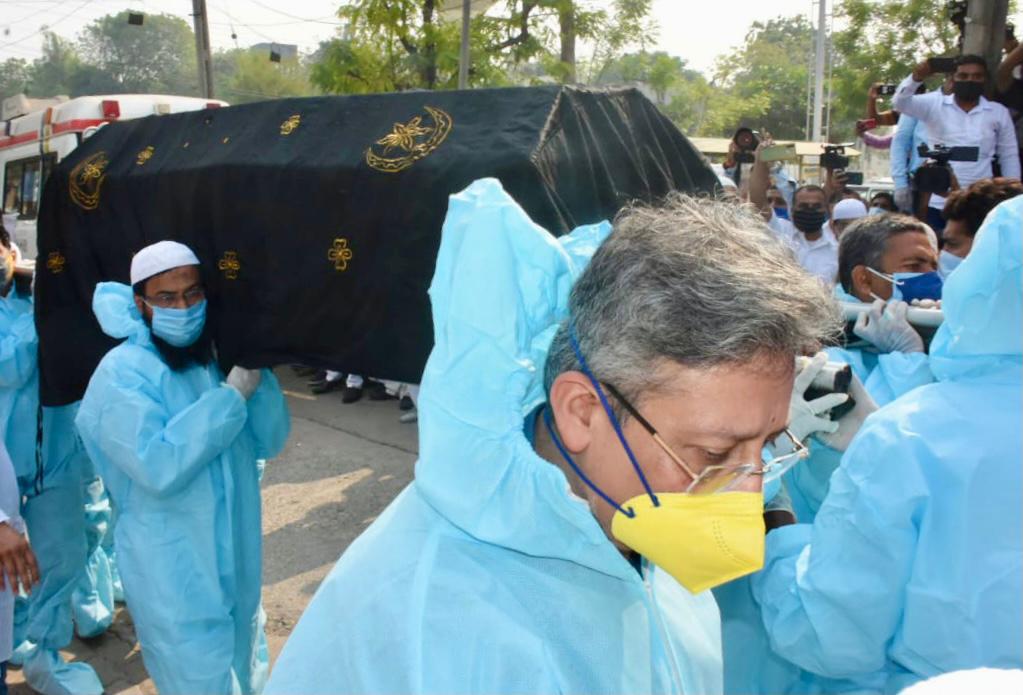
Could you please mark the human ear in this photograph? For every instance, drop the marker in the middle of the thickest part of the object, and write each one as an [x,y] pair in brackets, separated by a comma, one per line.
[575,406]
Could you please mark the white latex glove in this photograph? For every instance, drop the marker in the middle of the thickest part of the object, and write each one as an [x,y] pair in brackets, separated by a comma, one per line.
[885,326]
[850,423]
[904,199]
[806,418]
[926,303]
[245,381]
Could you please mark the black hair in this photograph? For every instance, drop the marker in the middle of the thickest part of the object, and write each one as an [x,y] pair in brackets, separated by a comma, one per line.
[887,196]
[808,187]
[972,59]
[971,205]
[865,241]
[5,236]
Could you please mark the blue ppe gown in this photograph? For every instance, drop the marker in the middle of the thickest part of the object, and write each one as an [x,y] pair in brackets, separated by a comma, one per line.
[486,575]
[51,492]
[92,602]
[914,564]
[178,452]
[885,376]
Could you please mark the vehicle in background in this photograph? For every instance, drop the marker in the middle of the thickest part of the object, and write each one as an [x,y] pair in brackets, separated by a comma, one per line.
[38,133]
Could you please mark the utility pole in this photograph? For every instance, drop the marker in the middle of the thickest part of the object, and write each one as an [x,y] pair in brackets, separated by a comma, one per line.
[985,31]
[202,48]
[463,58]
[818,85]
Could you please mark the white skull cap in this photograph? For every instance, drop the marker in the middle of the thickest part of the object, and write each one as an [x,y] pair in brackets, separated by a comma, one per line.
[158,258]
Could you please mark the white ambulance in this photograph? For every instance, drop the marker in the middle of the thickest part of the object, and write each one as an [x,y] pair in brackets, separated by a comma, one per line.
[35,134]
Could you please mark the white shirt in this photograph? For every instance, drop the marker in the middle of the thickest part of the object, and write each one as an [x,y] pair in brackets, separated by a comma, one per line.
[988,126]
[10,501]
[819,258]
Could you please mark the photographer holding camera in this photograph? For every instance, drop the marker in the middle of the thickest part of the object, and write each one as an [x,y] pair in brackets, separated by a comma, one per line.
[962,119]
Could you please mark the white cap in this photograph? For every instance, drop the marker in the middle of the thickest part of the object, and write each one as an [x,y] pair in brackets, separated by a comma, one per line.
[849,209]
[158,258]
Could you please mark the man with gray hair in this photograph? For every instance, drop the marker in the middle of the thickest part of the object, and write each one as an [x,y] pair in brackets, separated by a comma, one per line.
[590,459]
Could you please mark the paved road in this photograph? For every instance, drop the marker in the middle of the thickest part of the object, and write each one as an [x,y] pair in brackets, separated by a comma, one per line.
[343,464]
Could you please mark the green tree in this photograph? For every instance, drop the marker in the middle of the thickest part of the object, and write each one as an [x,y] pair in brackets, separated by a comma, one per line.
[393,45]
[158,56]
[769,75]
[254,77]
[14,77]
[882,41]
[56,71]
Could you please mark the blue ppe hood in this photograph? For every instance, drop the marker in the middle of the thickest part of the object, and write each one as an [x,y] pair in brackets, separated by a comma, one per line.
[113,303]
[982,334]
[499,292]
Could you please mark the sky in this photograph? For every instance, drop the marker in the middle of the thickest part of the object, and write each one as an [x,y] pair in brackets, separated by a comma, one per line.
[696,30]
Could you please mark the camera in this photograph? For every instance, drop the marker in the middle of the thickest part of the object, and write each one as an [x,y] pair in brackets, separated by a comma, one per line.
[834,157]
[935,177]
[834,377]
[886,90]
[747,140]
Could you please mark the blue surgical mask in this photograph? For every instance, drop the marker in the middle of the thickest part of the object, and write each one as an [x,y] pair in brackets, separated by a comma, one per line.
[876,211]
[179,327]
[910,286]
[781,213]
[947,262]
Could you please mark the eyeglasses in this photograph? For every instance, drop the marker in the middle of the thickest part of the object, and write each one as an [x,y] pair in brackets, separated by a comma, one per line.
[724,478]
[168,300]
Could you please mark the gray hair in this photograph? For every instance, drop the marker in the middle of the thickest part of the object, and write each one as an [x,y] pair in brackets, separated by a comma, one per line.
[694,282]
[865,241]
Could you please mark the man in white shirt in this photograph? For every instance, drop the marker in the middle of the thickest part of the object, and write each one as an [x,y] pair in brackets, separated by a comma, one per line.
[964,118]
[805,231]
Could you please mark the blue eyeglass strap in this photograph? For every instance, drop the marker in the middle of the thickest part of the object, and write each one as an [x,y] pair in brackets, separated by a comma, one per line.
[578,471]
[610,413]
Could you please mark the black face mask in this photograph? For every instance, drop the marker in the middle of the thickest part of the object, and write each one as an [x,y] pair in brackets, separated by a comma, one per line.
[809,221]
[967,91]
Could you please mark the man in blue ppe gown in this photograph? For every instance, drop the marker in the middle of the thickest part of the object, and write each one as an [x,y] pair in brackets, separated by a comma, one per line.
[885,352]
[507,566]
[51,492]
[914,565]
[178,448]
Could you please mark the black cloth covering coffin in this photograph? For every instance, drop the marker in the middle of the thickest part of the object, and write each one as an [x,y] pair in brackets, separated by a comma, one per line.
[318,220]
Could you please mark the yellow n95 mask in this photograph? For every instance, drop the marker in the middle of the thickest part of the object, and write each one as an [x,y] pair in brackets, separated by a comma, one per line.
[702,541]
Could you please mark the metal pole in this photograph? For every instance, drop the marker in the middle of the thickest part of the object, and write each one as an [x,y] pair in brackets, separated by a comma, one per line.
[463,59]
[985,31]
[202,48]
[818,86]
[831,72]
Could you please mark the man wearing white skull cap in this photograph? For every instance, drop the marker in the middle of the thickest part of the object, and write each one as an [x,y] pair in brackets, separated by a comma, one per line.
[177,445]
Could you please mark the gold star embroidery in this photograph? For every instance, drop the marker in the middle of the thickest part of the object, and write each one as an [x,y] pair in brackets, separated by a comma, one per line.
[145,155]
[55,262]
[289,126]
[229,265]
[340,254]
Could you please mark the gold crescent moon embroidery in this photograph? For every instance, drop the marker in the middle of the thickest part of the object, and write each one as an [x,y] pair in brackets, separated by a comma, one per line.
[416,139]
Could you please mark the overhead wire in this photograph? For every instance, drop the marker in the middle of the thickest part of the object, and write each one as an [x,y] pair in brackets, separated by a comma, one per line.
[47,26]
[296,17]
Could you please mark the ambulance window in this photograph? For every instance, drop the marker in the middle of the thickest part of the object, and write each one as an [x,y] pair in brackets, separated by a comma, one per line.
[31,188]
[23,184]
[12,187]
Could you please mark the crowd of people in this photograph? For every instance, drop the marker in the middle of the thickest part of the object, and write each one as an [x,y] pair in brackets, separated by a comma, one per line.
[630,477]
